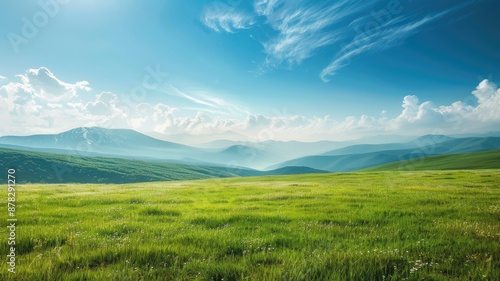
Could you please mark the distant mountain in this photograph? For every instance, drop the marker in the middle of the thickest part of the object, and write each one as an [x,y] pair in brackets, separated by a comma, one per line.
[379,139]
[282,150]
[118,142]
[292,170]
[199,140]
[95,141]
[246,156]
[489,159]
[259,155]
[367,148]
[482,135]
[431,140]
[346,163]
[222,143]
[324,155]
[296,149]
[356,161]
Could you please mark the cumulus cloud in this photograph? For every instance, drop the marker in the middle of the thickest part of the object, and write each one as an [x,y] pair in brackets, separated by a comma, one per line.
[415,118]
[488,98]
[38,101]
[152,117]
[457,117]
[104,105]
[26,112]
[44,85]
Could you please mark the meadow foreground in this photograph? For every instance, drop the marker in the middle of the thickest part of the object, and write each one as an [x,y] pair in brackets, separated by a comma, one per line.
[439,225]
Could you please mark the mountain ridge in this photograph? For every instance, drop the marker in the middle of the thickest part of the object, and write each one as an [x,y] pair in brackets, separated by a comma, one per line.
[266,155]
[352,162]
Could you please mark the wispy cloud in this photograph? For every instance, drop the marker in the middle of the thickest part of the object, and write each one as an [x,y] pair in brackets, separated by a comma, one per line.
[206,102]
[266,7]
[191,98]
[304,28]
[390,35]
[222,17]
[387,35]
[224,105]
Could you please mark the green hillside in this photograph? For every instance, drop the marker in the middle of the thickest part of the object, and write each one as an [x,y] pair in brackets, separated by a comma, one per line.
[464,161]
[357,161]
[39,167]
[423,225]
[43,167]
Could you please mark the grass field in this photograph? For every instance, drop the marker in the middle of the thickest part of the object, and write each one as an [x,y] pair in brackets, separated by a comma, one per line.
[440,225]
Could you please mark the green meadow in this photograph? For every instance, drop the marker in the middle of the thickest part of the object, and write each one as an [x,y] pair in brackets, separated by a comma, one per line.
[420,225]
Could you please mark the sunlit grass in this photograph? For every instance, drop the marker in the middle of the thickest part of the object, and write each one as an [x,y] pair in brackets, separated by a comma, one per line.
[359,226]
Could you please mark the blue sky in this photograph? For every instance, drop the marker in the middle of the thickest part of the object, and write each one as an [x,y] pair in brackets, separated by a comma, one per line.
[304,70]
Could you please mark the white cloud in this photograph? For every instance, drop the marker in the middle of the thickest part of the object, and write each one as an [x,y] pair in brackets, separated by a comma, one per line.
[2,78]
[40,102]
[147,117]
[191,98]
[205,101]
[104,105]
[303,29]
[410,108]
[25,112]
[221,17]
[44,85]
[455,118]
[266,7]
[488,98]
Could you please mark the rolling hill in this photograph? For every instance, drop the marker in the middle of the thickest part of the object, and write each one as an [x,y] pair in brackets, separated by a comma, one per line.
[40,167]
[352,162]
[292,170]
[367,148]
[463,161]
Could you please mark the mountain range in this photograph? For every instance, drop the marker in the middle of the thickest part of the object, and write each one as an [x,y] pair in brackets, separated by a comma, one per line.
[96,141]
[221,158]
[360,157]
